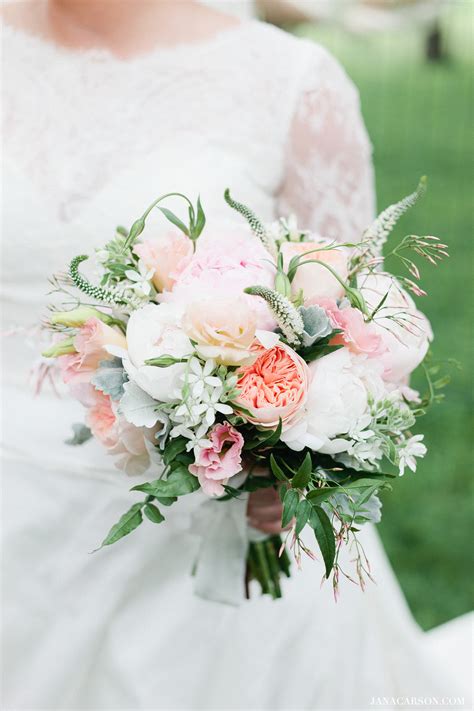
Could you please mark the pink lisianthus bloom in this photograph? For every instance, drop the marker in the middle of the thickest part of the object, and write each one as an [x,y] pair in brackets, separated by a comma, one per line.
[90,343]
[167,255]
[357,335]
[274,387]
[215,269]
[219,461]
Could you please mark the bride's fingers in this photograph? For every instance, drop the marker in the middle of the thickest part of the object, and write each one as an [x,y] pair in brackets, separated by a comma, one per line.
[267,526]
[263,497]
[266,516]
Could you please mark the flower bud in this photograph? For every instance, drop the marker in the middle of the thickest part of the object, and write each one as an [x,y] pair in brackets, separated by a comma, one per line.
[356,299]
[77,317]
[282,284]
[64,347]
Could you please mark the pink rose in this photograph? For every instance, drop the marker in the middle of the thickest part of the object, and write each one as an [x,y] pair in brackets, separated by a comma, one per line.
[219,461]
[358,336]
[90,342]
[313,279]
[167,255]
[274,387]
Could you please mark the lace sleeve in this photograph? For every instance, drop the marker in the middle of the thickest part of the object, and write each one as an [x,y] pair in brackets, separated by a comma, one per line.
[328,181]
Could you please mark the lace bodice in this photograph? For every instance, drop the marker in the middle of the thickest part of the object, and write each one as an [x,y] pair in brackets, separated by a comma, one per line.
[90,140]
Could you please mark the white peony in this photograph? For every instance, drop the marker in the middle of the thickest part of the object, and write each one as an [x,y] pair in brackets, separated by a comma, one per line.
[405,331]
[337,402]
[155,331]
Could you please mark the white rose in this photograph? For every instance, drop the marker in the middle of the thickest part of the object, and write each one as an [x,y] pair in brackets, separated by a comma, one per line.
[405,331]
[337,402]
[155,331]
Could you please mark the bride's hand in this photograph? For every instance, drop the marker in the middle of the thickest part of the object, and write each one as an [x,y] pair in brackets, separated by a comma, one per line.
[264,510]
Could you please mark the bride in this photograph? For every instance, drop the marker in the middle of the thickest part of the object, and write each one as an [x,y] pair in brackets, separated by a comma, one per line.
[107,104]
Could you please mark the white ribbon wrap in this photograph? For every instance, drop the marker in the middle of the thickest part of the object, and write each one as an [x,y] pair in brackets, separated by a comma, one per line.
[221,562]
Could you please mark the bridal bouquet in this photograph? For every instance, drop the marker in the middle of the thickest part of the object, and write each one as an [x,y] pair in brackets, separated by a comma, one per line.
[227,359]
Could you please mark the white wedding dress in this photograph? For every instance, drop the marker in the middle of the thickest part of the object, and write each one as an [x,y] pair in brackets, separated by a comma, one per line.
[89,141]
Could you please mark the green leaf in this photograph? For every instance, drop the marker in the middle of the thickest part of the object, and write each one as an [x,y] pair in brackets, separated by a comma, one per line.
[179,483]
[324,533]
[153,513]
[303,512]
[266,439]
[303,475]
[125,525]
[318,351]
[173,448]
[200,220]
[290,503]
[321,494]
[174,220]
[166,500]
[276,469]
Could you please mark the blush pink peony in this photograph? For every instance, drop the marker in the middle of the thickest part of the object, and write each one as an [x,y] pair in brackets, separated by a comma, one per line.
[215,269]
[167,256]
[274,387]
[219,461]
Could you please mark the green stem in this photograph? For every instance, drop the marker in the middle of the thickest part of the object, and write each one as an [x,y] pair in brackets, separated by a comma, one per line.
[264,567]
[139,224]
[274,567]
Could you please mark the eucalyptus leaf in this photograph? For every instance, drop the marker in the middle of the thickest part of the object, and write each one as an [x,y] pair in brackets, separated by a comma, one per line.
[110,377]
[138,407]
[316,324]
[80,434]
[323,530]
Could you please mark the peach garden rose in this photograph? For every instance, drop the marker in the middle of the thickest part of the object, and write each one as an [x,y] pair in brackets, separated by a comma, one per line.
[274,387]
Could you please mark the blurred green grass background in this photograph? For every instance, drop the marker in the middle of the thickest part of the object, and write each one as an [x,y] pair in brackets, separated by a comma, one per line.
[419,117]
